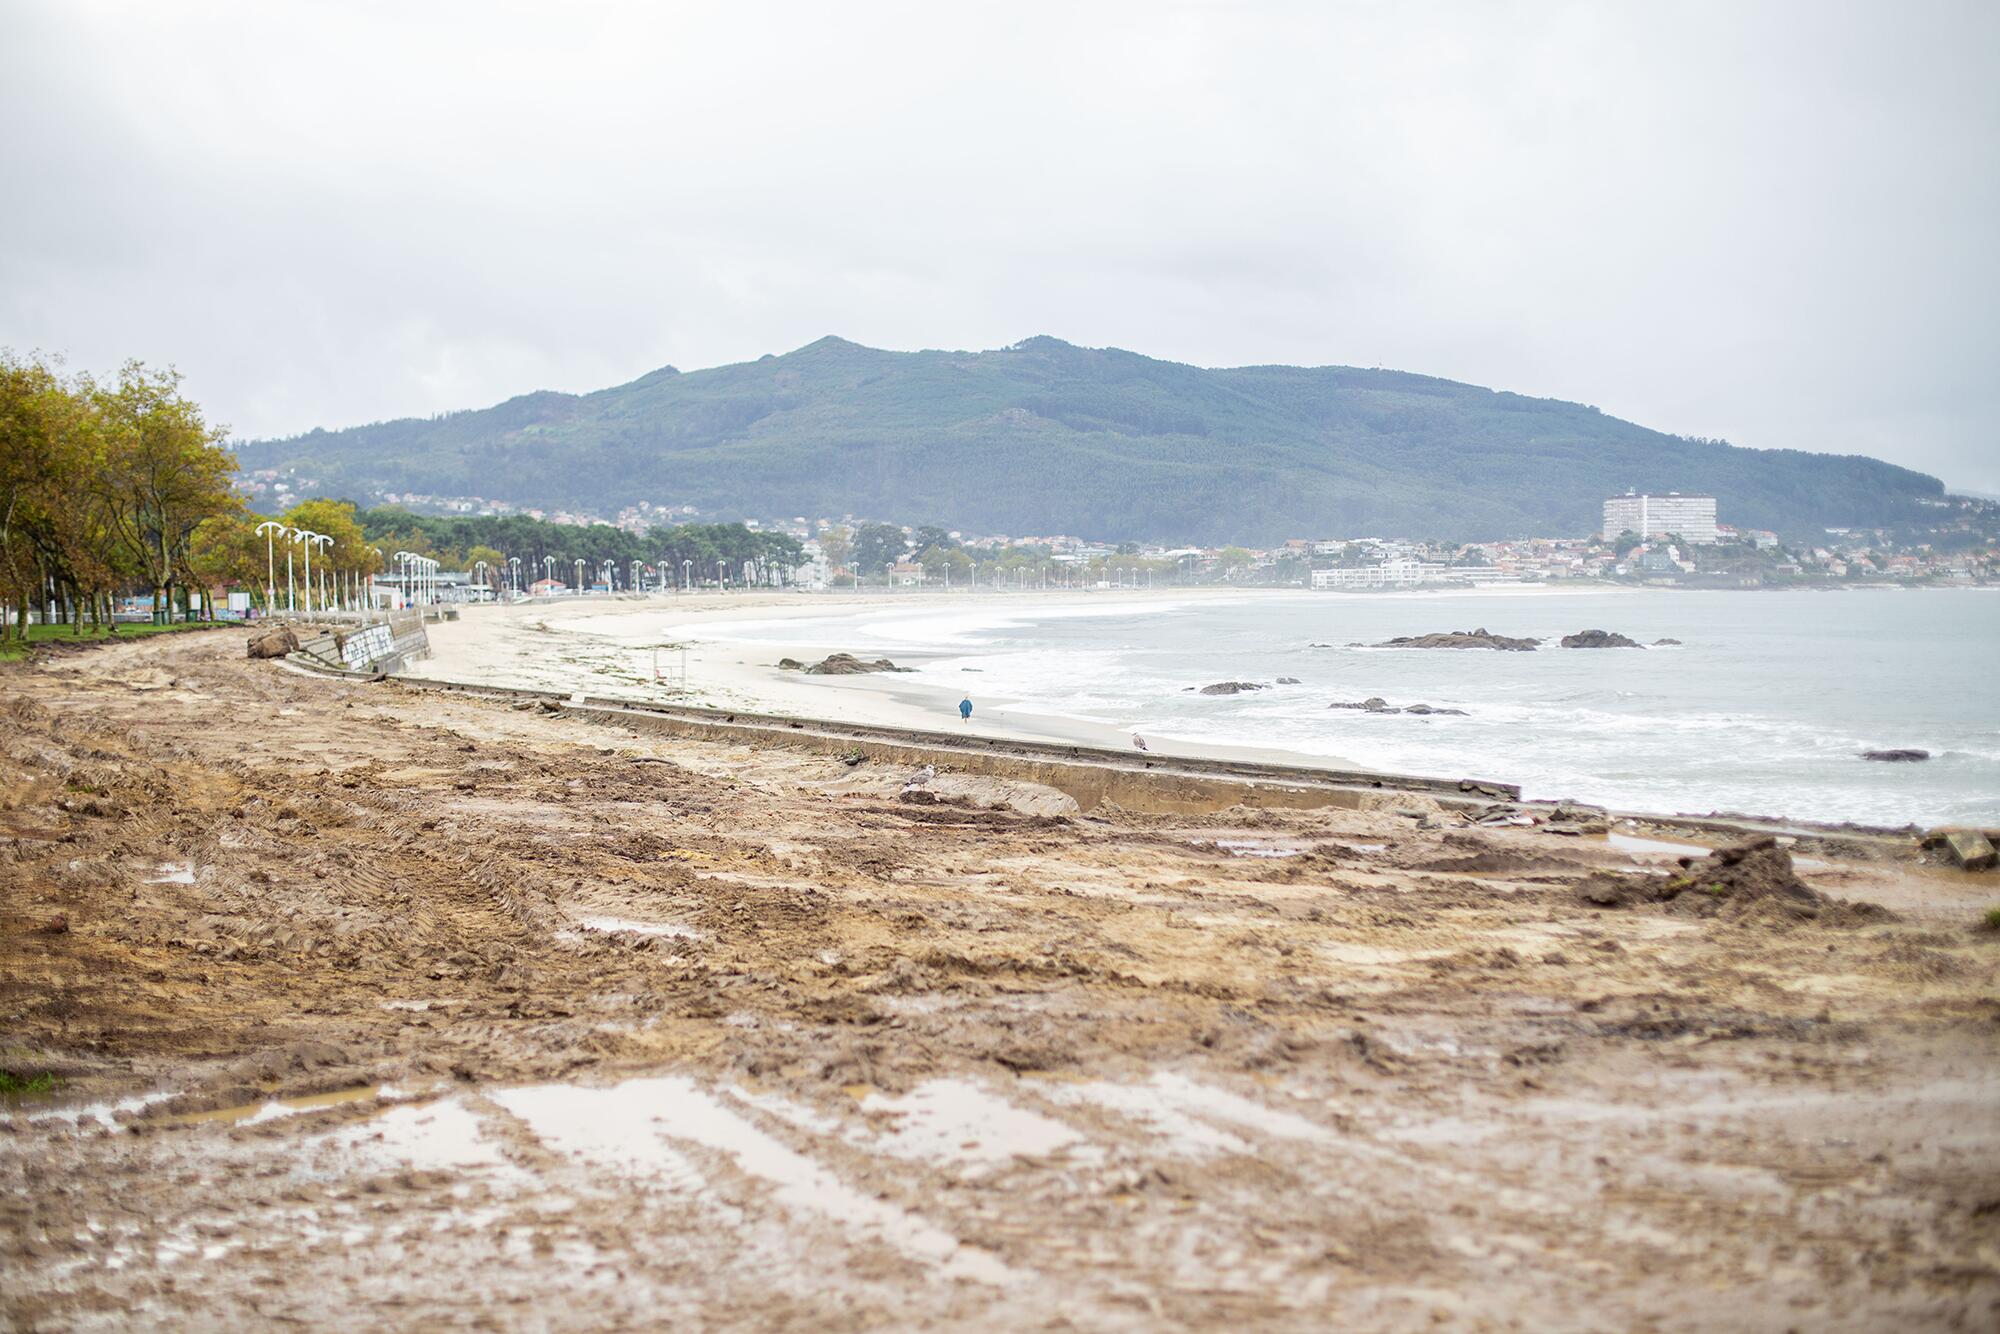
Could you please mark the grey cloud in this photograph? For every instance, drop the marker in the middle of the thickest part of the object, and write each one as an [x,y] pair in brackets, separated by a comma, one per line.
[1770,222]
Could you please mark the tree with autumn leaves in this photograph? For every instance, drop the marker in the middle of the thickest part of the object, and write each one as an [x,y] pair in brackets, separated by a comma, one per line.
[108,486]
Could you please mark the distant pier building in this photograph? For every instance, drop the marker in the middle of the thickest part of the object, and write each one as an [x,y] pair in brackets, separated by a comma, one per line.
[1691,518]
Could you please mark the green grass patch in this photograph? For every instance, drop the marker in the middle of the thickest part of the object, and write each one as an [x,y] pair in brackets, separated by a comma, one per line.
[14,1085]
[1992,919]
[60,634]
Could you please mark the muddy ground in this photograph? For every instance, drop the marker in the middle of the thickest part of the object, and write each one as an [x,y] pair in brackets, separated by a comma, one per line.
[378,1008]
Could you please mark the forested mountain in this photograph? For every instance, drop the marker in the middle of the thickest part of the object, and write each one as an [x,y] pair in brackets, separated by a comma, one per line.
[1045,437]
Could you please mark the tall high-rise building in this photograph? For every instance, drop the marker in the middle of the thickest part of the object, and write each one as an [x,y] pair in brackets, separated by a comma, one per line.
[1691,518]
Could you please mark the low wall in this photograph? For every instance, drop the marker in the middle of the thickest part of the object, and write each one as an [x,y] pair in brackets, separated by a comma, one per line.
[385,646]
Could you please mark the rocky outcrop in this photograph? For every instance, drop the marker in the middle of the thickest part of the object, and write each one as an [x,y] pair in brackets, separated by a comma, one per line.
[1599,639]
[1907,755]
[1666,643]
[1376,704]
[1231,687]
[1288,680]
[1480,638]
[273,643]
[843,664]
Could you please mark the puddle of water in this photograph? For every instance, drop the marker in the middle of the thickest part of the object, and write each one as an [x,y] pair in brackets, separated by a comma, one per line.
[1220,1104]
[436,1136]
[1364,847]
[172,873]
[1188,1136]
[1237,847]
[1186,1112]
[625,1127]
[104,1113]
[638,928]
[1632,843]
[273,1109]
[958,1120]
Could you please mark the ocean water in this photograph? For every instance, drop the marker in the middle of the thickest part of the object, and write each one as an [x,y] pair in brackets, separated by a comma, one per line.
[1762,709]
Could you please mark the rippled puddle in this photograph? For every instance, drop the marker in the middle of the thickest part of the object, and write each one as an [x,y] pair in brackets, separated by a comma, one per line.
[272,1109]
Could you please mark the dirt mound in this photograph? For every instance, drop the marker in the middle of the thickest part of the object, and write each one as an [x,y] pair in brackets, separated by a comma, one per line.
[1753,880]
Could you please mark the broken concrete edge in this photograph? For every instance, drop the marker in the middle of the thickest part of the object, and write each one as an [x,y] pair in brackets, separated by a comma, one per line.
[1463,794]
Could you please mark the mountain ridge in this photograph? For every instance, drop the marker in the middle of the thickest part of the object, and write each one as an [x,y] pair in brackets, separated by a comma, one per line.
[1045,436]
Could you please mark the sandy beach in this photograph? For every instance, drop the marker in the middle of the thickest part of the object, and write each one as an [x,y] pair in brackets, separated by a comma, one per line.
[605,646]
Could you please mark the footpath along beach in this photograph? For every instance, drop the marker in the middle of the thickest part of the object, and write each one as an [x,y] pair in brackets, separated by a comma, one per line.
[337,1001]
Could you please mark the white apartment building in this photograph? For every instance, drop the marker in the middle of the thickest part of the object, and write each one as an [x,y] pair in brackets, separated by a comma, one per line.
[1650,516]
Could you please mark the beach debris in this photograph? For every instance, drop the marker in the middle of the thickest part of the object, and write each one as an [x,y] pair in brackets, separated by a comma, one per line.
[273,643]
[1232,687]
[1967,849]
[1599,639]
[790,665]
[1577,818]
[1480,638]
[1899,755]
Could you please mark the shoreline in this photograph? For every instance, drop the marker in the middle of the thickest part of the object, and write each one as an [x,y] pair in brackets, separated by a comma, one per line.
[724,671]
[729,644]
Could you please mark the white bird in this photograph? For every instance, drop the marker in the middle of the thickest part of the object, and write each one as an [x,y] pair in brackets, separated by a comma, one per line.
[921,777]
[1140,742]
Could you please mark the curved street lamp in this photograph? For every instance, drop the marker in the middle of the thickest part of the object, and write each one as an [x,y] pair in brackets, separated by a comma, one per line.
[579,576]
[514,564]
[306,538]
[322,541]
[266,528]
[687,574]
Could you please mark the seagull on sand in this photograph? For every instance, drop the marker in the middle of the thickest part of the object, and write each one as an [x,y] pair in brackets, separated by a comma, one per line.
[1140,742]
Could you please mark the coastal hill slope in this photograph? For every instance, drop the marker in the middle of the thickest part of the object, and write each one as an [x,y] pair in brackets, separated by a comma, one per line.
[1046,437]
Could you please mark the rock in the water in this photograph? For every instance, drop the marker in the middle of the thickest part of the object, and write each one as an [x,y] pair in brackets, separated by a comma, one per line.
[1288,680]
[1376,704]
[1599,639]
[1230,687]
[1480,638]
[1908,755]
[1666,643]
[846,664]
[790,665]
[274,643]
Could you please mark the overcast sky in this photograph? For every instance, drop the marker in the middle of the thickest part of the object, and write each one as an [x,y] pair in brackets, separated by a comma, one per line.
[1776,223]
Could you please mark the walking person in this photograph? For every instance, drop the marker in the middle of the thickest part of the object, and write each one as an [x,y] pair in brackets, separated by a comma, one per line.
[965,710]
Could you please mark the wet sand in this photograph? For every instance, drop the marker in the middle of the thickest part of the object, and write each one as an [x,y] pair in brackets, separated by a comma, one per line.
[383,1008]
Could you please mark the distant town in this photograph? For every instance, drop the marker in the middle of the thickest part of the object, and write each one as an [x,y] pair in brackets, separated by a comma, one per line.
[1667,540]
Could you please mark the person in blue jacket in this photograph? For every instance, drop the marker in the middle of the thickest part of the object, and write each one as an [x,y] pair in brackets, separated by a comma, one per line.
[965,710]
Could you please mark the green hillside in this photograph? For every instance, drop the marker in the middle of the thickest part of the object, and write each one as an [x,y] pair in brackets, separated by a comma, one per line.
[1044,437]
